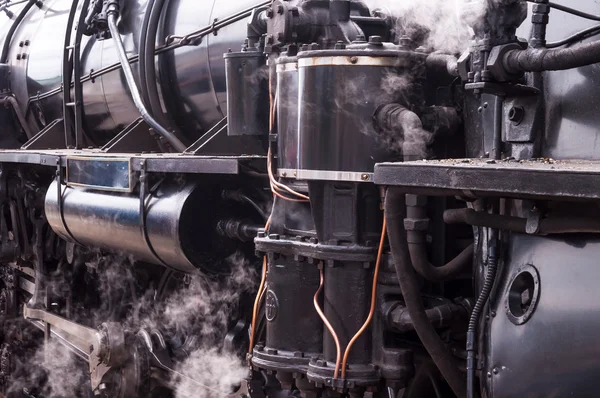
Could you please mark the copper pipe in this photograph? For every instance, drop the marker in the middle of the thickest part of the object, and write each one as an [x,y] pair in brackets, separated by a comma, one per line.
[256,301]
[328,325]
[260,292]
[373,301]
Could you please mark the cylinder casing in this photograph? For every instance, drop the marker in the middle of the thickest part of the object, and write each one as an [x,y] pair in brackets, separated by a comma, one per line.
[287,116]
[112,221]
[247,93]
[339,92]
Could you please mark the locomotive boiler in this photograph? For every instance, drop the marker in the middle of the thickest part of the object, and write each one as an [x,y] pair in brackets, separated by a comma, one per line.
[315,198]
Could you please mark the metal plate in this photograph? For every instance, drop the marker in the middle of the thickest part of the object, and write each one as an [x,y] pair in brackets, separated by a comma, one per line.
[107,174]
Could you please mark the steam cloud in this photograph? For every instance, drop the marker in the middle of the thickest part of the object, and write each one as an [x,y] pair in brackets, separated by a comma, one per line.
[438,25]
[194,320]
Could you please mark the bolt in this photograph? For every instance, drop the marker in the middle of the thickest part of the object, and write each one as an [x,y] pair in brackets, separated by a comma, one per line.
[340,45]
[480,109]
[21,44]
[353,60]
[516,114]
[375,40]
[496,371]
[365,177]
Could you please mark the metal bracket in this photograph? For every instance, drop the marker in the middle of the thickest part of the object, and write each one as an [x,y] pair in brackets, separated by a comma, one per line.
[143,229]
[59,200]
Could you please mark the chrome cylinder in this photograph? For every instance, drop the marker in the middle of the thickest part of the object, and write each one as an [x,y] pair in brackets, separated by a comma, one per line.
[112,221]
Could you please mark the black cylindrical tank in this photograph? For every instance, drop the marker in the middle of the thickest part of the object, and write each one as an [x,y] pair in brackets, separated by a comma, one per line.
[247,92]
[339,92]
[287,116]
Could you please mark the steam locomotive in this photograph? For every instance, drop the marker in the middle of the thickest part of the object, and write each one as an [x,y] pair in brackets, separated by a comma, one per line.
[315,198]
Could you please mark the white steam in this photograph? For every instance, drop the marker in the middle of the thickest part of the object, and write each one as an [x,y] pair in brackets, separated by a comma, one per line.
[52,371]
[439,24]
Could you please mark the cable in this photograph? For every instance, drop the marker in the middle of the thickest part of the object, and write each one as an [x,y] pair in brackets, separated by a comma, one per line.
[328,324]
[373,300]
[584,34]
[490,278]
[113,12]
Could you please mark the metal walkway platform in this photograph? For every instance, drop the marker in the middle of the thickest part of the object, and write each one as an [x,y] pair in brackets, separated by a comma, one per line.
[535,179]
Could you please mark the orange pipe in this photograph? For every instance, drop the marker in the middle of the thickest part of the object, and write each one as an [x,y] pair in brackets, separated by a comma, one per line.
[256,301]
[328,325]
[373,301]
[261,288]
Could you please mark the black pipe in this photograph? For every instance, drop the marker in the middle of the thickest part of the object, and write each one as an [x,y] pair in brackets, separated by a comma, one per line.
[442,315]
[395,211]
[142,52]
[540,60]
[416,225]
[546,226]
[113,13]
[443,61]
[147,59]
[12,30]
[451,270]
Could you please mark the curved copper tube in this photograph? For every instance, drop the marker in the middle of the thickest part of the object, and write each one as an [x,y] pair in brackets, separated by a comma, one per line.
[259,293]
[328,325]
[256,301]
[373,301]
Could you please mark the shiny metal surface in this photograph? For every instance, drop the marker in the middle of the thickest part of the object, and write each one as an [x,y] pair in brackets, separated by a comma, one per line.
[326,175]
[111,221]
[192,79]
[351,61]
[287,115]
[336,132]
[554,354]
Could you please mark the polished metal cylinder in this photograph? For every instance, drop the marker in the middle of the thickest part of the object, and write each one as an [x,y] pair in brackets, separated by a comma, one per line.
[287,116]
[112,221]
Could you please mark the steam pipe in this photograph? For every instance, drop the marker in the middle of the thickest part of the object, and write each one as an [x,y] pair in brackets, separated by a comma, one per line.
[540,60]
[393,118]
[447,61]
[12,30]
[12,101]
[395,210]
[142,49]
[546,226]
[147,61]
[113,13]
